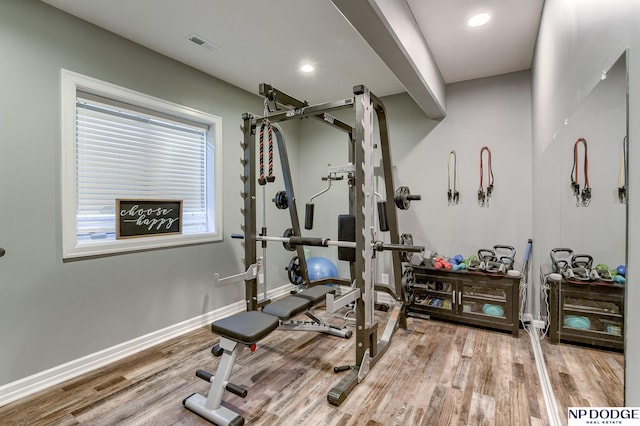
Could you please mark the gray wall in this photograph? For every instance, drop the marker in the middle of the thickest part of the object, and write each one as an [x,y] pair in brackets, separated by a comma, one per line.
[493,112]
[53,312]
[576,42]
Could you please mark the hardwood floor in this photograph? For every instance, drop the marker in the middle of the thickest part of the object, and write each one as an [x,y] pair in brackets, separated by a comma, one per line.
[582,376]
[435,373]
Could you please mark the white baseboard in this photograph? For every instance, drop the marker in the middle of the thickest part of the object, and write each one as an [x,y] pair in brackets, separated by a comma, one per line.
[45,379]
[543,375]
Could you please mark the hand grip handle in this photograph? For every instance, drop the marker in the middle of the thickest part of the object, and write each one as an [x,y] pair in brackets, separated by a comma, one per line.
[308,241]
[382,216]
[308,216]
[241,392]
[204,375]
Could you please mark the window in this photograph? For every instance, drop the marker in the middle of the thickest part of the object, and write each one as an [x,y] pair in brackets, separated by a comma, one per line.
[117,143]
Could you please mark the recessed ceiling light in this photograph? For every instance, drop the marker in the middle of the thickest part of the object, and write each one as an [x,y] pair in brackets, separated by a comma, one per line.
[307,68]
[479,20]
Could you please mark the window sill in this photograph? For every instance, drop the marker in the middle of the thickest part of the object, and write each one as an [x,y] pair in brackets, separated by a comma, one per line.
[93,248]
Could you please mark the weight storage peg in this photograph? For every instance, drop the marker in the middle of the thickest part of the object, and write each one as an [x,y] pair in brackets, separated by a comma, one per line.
[403,197]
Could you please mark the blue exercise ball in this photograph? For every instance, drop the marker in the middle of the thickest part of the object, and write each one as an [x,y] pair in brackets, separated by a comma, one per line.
[321,267]
[621,270]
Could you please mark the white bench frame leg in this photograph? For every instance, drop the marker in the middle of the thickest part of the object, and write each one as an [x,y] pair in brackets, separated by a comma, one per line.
[209,407]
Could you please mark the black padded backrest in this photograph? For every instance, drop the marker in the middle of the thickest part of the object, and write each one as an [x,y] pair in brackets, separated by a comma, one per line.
[347,232]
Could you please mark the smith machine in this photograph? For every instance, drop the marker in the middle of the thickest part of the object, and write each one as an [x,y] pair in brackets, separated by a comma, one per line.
[357,242]
[369,348]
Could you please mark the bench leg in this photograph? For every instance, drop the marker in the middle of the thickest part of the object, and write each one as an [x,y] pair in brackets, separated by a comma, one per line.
[210,407]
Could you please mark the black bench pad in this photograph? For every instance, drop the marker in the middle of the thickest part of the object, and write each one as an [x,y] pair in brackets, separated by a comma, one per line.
[287,307]
[316,294]
[245,327]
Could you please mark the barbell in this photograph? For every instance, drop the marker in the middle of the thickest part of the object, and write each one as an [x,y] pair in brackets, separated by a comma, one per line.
[326,242]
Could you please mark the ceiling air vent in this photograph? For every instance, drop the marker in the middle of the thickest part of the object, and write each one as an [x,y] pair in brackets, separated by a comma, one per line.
[203,42]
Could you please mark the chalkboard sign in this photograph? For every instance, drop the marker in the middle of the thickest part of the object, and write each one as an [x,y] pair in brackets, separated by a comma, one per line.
[144,218]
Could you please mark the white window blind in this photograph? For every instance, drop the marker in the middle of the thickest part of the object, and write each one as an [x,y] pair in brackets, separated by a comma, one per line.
[130,153]
[118,143]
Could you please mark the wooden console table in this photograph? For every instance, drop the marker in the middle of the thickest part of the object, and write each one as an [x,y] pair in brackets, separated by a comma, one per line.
[587,313]
[473,298]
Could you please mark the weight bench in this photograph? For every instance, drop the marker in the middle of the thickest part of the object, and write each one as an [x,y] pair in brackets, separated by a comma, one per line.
[246,329]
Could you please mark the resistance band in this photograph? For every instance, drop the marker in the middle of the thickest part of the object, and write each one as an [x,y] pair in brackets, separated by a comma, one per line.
[622,187]
[582,197]
[483,197]
[453,194]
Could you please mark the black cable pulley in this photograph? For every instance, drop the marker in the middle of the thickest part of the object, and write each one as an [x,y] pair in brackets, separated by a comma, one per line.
[281,200]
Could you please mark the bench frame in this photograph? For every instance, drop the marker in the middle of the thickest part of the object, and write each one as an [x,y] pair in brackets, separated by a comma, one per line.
[210,407]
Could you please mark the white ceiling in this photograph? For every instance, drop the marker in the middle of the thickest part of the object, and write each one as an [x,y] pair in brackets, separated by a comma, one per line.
[260,41]
[503,45]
